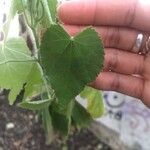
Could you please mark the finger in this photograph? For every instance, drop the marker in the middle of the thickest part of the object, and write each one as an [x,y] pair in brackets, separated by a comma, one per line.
[123,62]
[129,85]
[146,94]
[113,37]
[129,13]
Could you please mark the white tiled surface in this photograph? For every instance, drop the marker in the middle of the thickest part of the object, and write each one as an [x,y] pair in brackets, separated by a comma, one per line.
[129,117]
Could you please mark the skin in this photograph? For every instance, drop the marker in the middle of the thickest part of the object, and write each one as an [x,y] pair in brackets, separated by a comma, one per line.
[118,23]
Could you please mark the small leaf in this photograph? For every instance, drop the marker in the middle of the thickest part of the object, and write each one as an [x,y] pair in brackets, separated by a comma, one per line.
[35,105]
[63,108]
[61,116]
[80,116]
[95,101]
[60,122]
[71,63]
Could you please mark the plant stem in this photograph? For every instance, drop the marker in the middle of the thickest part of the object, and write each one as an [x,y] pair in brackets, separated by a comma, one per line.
[42,14]
[47,89]
[25,15]
[36,38]
[32,13]
[45,4]
[37,44]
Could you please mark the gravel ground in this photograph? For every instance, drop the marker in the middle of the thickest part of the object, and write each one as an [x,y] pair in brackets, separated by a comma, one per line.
[20,130]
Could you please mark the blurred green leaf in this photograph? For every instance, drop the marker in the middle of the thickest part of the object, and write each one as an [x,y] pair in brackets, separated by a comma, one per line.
[95,101]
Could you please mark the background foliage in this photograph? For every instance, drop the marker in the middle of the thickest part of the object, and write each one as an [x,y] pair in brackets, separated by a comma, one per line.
[53,74]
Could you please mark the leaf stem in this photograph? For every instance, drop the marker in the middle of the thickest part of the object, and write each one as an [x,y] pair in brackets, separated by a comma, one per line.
[42,14]
[37,43]
[25,15]
[46,86]
[45,4]
[36,38]
[32,27]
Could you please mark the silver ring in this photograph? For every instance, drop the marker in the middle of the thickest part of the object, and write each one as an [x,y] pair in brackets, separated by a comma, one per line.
[145,48]
[138,43]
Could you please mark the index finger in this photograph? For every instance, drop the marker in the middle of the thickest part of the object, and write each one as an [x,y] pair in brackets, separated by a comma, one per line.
[128,13]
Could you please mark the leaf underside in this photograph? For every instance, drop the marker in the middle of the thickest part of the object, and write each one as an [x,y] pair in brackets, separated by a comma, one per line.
[15,64]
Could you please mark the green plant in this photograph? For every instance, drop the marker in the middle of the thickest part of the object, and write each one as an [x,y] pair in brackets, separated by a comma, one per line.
[59,69]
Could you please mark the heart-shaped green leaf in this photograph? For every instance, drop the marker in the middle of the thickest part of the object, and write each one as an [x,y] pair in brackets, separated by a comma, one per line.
[71,63]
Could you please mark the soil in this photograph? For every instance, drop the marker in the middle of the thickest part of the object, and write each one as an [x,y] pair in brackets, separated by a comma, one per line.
[20,130]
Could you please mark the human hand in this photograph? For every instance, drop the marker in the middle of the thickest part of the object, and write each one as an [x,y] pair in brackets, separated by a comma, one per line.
[119,23]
